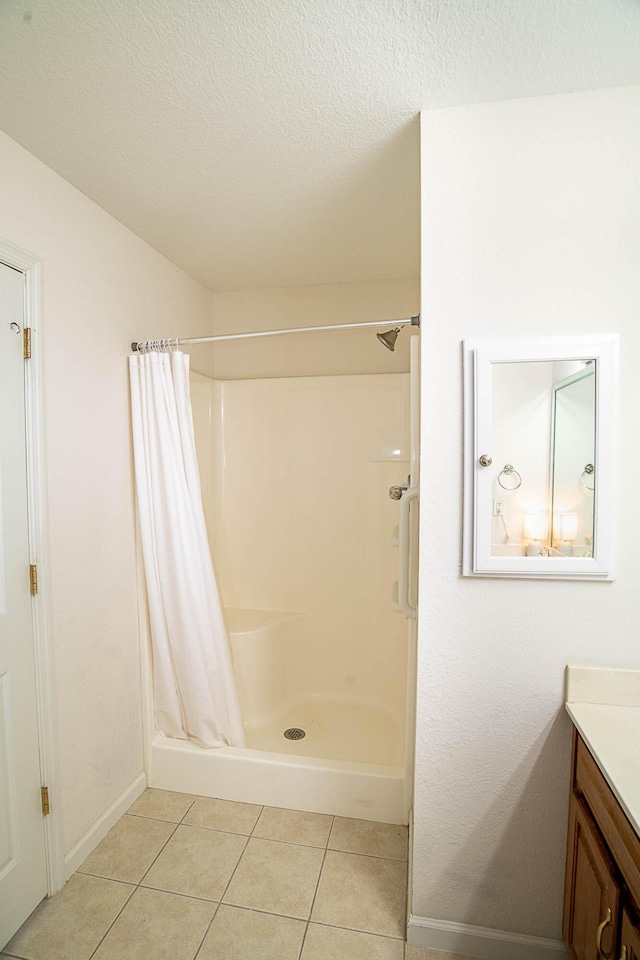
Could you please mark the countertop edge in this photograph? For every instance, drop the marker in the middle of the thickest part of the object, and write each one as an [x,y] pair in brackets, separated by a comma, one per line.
[633,815]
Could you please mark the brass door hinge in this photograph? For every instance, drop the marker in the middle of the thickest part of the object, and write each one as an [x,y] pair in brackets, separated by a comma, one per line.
[26,343]
[46,808]
[33,579]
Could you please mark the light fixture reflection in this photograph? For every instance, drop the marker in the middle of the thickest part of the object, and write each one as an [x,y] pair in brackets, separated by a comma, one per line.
[536,526]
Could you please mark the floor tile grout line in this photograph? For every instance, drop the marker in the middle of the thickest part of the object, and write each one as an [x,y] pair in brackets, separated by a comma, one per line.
[145,816]
[235,906]
[370,856]
[134,883]
[175,827]
[333,823]
[244,850]
[170,892]
[291,843]
[315,892]
[229,833]
[176,893]
[196,797]
[252,833]
[267,913]
[253,829]
[297,843]
[220,829]
[136,886]
[233,873]
[215,914]
[159,890]
[366,933]
[204,899]
[117,916]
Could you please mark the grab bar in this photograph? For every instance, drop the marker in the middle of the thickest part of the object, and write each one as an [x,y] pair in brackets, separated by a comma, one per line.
[404,553]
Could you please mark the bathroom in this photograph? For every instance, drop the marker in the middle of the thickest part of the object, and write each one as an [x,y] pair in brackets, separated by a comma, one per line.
[493,188]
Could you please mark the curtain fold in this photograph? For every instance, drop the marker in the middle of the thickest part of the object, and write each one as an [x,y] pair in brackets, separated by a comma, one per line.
[195,696]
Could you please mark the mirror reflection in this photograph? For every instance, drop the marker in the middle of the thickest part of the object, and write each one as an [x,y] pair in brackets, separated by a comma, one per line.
[543,446]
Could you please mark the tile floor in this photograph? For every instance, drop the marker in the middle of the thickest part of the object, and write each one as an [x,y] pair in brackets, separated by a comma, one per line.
[180,877]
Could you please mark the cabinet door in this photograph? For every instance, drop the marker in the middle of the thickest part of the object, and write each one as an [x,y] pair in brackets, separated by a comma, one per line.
[629,939]
[592,895]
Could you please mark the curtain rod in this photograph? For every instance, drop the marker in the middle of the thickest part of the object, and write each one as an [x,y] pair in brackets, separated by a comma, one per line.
[160,344]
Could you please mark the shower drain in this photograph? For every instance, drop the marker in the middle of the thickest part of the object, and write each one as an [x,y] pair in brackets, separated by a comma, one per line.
[294,733]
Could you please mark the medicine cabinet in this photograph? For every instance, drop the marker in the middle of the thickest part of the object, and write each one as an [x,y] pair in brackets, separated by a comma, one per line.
[540,457]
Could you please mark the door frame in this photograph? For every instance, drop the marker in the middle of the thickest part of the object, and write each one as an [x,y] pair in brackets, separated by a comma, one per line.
[30,267]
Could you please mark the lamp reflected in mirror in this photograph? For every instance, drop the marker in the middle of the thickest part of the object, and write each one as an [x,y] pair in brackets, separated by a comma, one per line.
[535,530]
[565,530]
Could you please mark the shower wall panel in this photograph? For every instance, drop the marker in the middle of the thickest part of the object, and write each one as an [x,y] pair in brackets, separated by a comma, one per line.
[295,477]
[206,404]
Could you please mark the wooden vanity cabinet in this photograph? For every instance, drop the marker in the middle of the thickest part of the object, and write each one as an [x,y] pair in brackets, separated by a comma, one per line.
[592,891]
[602,883]
[629,938]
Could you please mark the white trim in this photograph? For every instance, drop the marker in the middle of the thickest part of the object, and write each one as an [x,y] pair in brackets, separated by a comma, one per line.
[39,554]
[78,854]
[410,867]
[478,356]
[16,257]
[483,942]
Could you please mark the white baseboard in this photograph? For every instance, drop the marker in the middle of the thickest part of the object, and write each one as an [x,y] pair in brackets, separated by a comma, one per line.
[483,942]
[410,865]
[103,824]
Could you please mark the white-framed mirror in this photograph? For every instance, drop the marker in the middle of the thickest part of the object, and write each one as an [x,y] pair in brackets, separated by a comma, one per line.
[540,430]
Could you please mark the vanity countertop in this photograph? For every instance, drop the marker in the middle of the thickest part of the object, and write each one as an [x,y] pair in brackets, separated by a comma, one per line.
[604,705]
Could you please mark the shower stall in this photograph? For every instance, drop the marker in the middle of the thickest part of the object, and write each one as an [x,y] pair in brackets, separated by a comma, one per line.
[308,547]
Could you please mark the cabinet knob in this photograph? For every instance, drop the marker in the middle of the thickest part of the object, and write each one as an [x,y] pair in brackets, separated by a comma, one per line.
[485,460]
[601,928]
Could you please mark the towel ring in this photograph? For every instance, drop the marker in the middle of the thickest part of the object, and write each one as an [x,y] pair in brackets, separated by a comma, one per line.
[587,473]
[511,474]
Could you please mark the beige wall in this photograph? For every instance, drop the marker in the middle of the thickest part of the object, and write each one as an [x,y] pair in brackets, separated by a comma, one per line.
[530,226]
[313,354]
[102,288]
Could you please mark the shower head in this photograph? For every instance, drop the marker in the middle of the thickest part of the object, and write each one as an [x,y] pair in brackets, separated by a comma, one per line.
[389,338]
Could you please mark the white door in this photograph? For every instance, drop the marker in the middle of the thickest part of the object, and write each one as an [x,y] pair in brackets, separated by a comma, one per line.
[23,877]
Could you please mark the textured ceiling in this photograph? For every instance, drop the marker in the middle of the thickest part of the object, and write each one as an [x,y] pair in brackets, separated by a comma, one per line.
[274,142]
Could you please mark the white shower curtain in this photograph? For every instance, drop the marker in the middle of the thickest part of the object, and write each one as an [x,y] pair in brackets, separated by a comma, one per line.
[194,690]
